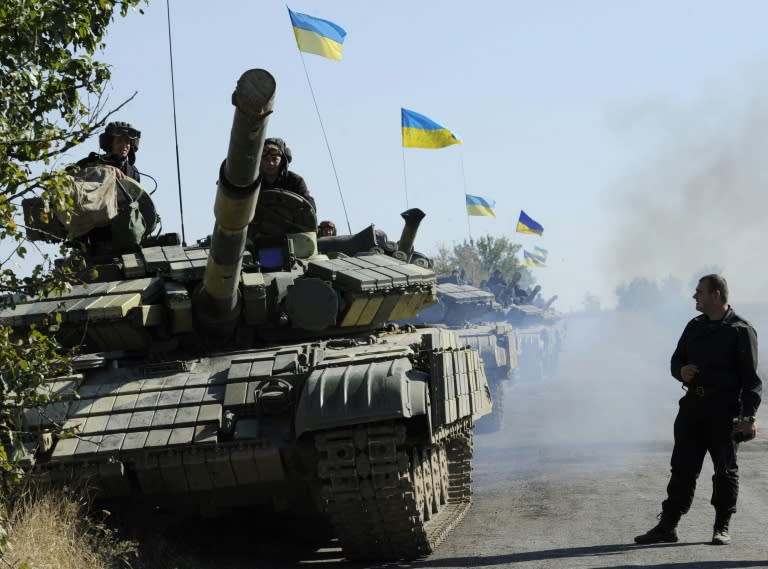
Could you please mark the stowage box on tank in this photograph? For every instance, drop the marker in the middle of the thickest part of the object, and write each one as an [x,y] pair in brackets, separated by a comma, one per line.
[253,370]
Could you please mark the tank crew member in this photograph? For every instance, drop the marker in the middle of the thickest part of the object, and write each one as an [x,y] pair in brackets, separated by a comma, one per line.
[275,173]
[515,293]
[326,229]
[120,141]
[453,277]
[716,361]
[496,284]
[496,280]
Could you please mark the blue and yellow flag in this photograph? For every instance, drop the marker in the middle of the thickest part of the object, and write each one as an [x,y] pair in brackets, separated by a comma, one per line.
[421,132]
[540,253]
[527,225]
[532,260]
[317,36]
[480,206]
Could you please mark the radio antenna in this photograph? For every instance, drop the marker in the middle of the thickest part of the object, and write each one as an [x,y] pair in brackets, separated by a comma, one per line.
[175,131]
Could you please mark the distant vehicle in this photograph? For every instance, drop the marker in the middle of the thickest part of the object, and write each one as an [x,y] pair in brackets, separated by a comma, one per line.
[515,341]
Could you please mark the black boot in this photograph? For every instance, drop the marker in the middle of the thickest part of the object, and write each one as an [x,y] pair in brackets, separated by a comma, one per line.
[720,532]
[663,532]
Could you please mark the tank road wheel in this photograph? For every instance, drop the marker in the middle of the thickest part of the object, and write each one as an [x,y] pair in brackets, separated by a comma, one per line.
[442,460]
[390,500]
[434,463]
[417,481]
[430,507]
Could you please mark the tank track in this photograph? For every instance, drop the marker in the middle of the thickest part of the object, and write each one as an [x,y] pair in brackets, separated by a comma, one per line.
[389,498]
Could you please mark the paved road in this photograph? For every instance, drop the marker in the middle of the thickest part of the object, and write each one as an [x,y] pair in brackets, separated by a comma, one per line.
[579,505]
[580,468]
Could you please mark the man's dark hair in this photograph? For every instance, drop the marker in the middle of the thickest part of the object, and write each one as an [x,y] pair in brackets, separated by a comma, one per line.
[716,282]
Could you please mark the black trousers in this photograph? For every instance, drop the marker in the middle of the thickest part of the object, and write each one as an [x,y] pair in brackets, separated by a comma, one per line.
[704,424]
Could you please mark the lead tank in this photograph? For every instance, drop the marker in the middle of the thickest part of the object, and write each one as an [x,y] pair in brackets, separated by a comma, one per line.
[252,370]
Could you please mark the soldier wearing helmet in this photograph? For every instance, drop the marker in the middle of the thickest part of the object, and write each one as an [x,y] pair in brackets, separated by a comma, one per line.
[120,141]
[275,173]
[326,229]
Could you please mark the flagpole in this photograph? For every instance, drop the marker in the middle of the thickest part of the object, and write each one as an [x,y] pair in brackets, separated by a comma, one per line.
[405,180]
[327,144]
[464,181]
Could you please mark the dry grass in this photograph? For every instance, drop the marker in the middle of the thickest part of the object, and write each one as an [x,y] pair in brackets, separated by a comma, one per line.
[51,530]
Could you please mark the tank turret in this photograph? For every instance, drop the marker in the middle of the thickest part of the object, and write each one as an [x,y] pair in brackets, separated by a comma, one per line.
[260,369]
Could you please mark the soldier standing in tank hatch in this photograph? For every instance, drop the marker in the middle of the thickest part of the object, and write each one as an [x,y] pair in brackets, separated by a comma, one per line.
[275,173]
[496,284]
[453,277]
[716,361]
[121,142]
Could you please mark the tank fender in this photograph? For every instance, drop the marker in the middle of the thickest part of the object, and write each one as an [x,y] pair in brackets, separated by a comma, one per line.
[361,393]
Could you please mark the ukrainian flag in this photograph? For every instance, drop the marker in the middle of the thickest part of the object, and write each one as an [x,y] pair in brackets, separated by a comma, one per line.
[317,36]
[540,253]
[421,132]
[527,225]
[532,260]
[479,206]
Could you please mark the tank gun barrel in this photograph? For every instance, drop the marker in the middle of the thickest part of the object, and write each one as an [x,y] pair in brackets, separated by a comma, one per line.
[412,219]
[217,301]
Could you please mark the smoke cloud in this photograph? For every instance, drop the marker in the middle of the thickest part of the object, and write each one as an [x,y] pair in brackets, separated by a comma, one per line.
[698,198]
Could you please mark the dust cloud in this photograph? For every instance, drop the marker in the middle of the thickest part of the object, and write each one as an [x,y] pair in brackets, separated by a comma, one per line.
[693,198]
[611,398]
[611,395]
[696,194]
[613,383]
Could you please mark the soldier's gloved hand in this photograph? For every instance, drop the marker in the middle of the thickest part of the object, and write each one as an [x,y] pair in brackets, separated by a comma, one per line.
[688,372]
[744,431]
[118,172]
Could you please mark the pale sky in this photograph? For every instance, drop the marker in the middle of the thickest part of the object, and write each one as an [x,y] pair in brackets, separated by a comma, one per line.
[634,132]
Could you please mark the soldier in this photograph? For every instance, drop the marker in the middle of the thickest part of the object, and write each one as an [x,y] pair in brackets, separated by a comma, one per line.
[120,141]
[515,293]
[326,229]
[716,361]
[275,173]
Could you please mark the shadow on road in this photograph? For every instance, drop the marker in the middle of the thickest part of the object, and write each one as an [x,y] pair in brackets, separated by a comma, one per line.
[698,565]
[596,550]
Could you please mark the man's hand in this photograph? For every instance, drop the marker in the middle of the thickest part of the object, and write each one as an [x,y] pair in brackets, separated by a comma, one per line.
[118,172]
[688,372]
[747,429]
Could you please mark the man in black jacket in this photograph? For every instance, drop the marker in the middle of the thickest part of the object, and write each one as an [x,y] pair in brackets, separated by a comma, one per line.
[275,173]
[716,361]
[120,141]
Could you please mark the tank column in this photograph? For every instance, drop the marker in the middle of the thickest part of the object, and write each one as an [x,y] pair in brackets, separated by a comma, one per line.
[217,302]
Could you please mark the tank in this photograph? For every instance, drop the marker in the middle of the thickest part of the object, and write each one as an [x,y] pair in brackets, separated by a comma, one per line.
[541,328]
[478,320]
[518,338]
[541,334]
[252,370]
